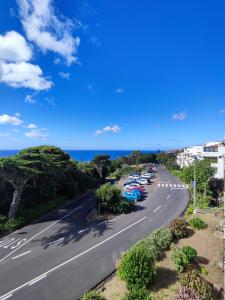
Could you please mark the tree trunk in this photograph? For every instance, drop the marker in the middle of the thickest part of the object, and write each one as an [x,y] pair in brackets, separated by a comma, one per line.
[15,203]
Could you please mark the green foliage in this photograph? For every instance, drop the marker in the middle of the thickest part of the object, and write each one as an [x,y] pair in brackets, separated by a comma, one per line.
[203,271]
[189,252]
[168,159]
[110,199]
[186,293]
[136,268]
[13,224]
[178,228]
[195,281]
[92,295]
[197,223]
[179,259]
[102,164]
[190,209]
[152,249]
[138,294]
[162,238]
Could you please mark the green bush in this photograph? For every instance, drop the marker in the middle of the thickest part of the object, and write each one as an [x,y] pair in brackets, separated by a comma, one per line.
[138,294]
[179,259]
[189,252]
[178,228]
[92,295]
[186,293]
[136,268]
[162,238]
[152,249]
[195,281]
[13,224]
[190,209]
[197,223]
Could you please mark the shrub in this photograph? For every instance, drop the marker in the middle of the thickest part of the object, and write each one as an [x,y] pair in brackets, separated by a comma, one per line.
[178,228]
[195,281]
[162,238]
[179,259]
[110,199]
[190,209]
[203,271]
[138,294]
[152,249]
[136,268]
[189,252]
[92,295]
[13,224]
[186,293]
[197,223]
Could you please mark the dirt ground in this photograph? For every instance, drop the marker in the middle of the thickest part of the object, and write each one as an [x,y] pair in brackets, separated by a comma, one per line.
[209,245]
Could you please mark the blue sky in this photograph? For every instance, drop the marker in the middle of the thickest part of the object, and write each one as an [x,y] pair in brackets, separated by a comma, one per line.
[111,74]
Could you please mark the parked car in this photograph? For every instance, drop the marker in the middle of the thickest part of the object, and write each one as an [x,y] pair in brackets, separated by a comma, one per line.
[143,181]
[134,188]
[146,175]
[130,196]
[134,176]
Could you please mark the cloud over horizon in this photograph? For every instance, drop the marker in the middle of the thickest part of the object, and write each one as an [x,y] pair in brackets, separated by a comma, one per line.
[113,129]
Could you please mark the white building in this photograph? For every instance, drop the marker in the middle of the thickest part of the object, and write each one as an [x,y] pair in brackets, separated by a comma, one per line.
[213,151]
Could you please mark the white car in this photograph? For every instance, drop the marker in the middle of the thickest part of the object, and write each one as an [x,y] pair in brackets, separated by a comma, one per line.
[143,181]
[135,176]
[133,184]
[146,175]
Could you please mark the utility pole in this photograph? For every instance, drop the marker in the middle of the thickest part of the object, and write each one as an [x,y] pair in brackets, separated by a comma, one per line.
[194,184]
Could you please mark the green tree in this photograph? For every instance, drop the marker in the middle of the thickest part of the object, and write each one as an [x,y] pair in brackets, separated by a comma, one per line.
[102,165]
[17,172]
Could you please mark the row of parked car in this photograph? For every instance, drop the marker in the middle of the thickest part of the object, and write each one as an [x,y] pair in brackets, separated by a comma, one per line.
[134,186]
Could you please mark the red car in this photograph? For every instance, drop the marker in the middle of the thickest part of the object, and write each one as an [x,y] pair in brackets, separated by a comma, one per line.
[139,188]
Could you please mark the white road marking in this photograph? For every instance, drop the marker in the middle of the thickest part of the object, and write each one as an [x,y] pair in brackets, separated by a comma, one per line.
[171,185]
[158,184]
[6,241]
[19,242]
[101,223]
[174,185]
[59,240]
[83,230]
[155,210]
[37,279]
[179,185]
[30,239]
[22,254]
[168,196]
[7,297]
[166,185]
[71,259]
[177,188]
[162,184]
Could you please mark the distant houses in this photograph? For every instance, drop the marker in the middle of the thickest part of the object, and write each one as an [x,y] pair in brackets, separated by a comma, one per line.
[213,151]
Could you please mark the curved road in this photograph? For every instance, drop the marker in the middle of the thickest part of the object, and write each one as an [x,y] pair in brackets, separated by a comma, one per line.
[64,255]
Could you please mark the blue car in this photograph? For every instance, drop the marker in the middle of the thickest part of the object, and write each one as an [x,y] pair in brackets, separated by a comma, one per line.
[131,196]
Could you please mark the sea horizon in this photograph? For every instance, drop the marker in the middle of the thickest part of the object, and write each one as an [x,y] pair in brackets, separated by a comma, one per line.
[84,155]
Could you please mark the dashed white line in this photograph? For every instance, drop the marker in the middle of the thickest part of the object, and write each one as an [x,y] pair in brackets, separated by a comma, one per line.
[22,254]
[174,185]
[168,196]
[30,239]
[162,184]
[37,279]
[101,223]
[155,210]
[166,185]
[3,297]
[83,230]
[171,185]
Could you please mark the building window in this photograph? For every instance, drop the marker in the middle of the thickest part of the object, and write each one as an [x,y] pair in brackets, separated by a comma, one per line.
[211,149]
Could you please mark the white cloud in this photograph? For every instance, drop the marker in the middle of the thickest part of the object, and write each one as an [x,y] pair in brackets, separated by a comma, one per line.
[64,75]
[46,30]
[15,130]
[11,120]
[4,134]
[30,99]
[179,116]
[37,133]
[50,100]
[23,74]
[119,91]
[113,129]
[32,126]
[14,47]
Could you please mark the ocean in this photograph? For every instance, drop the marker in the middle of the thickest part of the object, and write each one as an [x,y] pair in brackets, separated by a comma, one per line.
[84,155]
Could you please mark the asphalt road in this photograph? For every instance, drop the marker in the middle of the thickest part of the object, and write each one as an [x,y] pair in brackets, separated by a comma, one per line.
[64,255]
